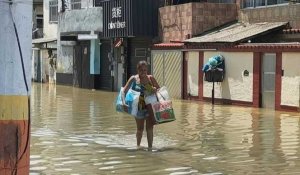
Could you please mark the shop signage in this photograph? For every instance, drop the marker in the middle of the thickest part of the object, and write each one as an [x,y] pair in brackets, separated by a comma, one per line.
[87,36]
[117,21]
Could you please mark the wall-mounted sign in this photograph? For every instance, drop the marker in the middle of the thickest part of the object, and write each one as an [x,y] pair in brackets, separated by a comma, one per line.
[129,18]
[87,36]
[118,14]
[117,22]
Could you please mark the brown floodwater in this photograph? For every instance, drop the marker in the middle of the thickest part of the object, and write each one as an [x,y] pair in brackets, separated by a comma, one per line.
[77,131]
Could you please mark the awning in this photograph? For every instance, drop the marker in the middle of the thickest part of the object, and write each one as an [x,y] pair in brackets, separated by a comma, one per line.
[237,32]
[43,40]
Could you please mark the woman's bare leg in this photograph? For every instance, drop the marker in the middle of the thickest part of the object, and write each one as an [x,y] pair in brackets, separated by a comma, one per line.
[139,131]
[149,129]
[149,126]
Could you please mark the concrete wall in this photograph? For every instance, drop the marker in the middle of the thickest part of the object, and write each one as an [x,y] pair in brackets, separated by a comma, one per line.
[235,86]
[86,3]
[285,12]
[178,21]
[50,29]
[193,73]
[81,20]
[290,94]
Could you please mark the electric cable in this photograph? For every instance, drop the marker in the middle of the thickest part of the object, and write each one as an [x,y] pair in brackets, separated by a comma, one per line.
[26,85]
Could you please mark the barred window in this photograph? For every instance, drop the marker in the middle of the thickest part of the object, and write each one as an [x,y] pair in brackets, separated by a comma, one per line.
[260,3]
[75,4]
[53,11]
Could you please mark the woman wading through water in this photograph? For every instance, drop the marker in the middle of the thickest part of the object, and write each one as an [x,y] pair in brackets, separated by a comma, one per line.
[146,85]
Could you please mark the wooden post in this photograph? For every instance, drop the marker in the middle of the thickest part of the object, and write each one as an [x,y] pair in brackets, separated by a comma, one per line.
[15,81]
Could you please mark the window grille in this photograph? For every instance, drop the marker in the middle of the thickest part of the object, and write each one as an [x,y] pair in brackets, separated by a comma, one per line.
[261,3]
[75,4]
[53,11]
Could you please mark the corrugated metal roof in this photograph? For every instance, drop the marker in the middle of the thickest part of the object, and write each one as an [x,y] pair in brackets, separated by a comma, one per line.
[237,32]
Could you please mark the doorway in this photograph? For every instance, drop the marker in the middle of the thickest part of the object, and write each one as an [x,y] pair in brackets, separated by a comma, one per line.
[81,77]
[268,80]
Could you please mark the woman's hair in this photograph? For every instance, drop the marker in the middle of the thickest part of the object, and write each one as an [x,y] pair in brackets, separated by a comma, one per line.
[141,63]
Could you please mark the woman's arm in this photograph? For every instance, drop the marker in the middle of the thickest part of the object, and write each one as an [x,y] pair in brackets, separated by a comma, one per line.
[154,82]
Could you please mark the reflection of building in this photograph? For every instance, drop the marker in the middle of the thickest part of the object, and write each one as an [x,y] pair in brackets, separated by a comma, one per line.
[44,38]
[260,46]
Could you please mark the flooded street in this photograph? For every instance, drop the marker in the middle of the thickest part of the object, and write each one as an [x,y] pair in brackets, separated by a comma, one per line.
[78,131]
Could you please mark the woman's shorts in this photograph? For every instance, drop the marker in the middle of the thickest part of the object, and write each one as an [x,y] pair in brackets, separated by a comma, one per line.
[150,99]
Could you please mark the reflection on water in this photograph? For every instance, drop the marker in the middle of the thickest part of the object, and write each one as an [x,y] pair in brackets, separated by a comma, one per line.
[77,131]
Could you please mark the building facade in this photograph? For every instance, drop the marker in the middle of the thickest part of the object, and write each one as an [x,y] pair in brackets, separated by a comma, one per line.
[129,29]
[260,61]
[79,26]
[44,39]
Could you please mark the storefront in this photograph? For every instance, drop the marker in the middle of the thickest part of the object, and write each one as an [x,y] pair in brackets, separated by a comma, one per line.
[78,61]
[129,26]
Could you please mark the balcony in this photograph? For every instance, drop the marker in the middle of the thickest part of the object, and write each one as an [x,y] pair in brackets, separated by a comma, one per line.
[81,20]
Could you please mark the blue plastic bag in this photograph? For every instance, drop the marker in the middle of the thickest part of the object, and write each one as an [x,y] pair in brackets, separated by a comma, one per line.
[131,99]
[119,104]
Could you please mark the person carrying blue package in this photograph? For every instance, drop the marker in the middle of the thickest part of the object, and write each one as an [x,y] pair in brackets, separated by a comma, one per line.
[146,85]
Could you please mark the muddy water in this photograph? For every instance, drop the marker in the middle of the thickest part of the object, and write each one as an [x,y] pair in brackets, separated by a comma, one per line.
[77,131]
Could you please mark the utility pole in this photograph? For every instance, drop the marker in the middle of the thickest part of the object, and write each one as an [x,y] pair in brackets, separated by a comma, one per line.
[15,83]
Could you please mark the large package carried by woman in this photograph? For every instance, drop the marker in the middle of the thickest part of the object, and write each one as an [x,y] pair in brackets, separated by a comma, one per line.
[161,106]
[131,99]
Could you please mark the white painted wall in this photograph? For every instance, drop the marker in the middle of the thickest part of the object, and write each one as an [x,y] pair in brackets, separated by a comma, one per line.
[235,86]
[87,3]
[291,79]
[50,29]
[193,73]
[65,55]
[11,75]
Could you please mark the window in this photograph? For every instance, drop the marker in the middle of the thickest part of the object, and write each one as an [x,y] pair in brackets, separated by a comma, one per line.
[260,3]
[53,11]
[75,4]
[39,21]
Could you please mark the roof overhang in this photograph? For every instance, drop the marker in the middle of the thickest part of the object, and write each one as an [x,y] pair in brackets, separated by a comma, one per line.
[238,32]
[46,43]
[43,40]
